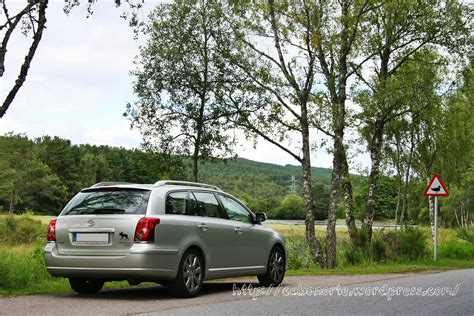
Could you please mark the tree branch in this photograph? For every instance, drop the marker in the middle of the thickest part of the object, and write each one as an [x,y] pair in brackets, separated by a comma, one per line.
[8,33]
[43,4]
[283,66]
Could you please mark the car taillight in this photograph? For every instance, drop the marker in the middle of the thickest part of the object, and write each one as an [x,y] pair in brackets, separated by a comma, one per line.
[145,231]
[52,230]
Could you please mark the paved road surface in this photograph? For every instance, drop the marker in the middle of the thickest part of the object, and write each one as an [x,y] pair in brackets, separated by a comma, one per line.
[217,298]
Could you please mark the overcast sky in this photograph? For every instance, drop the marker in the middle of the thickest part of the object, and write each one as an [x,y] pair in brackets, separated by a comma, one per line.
[79,83]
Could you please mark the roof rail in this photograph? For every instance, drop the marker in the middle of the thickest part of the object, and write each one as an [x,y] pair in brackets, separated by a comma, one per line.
[187,183]
[106,184]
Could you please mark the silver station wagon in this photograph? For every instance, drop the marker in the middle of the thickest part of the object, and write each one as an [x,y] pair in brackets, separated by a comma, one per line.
[174,233]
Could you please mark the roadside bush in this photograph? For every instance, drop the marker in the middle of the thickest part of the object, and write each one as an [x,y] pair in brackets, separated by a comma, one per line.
[353,255]
[378,248]
[407,244]
[456,250]
[298,253]
[357,250]
[20,229]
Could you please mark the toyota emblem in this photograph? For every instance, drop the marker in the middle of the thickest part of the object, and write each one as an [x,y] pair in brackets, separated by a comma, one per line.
[90,223]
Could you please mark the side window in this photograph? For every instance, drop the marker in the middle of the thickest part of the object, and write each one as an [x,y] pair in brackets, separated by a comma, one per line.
[234,210]
[205,205]
[177,203]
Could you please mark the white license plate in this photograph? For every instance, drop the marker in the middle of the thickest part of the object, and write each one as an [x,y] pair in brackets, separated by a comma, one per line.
[91,238]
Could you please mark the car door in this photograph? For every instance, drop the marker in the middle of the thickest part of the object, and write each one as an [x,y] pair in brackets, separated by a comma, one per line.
[251,239]
[215,231]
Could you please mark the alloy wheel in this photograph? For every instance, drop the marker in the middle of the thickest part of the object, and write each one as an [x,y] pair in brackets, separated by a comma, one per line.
[192,273]
[277,266]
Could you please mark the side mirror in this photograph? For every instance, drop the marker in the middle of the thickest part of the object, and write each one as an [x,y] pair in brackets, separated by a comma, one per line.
[260,217]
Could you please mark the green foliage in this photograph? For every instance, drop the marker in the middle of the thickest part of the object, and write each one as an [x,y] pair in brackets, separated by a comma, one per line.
[456,250]
[466,234]
[292,207]
[401,245]
[62,169]
[263,186]
[409,244]
[42,175]
[385,202]
[181,77]
[23,229]
[298,253]
[22,270]
[23,175]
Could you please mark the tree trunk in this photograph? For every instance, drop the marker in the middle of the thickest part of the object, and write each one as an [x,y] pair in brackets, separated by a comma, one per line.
[12,201]
[335,185]
[399,180]
[339,115]
[195,163]
[346,183]
[399,192]
[376,158]
[197,142]
[407,180]
[314,245]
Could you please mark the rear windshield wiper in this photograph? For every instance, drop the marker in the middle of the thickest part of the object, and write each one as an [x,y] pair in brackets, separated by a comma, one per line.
[109,210]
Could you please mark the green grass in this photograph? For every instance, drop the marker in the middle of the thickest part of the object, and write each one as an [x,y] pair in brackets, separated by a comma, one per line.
[22,270]
[388,268]
[454,253]
[457,250]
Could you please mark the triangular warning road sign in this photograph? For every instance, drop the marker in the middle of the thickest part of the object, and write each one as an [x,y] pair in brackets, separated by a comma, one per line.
[436,187]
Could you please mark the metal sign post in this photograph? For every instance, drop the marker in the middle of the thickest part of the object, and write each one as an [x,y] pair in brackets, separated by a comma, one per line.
[435,252]
[436,188]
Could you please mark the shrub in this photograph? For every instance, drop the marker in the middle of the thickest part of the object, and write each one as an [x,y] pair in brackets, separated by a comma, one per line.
[378,248]
[407,244]
[298,253]
[456,250]
[357,250]
[353,255]
[466,234]
[20,229]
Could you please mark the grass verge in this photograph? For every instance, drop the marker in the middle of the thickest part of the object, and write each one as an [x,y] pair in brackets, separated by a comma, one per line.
[387,268]
[22,270]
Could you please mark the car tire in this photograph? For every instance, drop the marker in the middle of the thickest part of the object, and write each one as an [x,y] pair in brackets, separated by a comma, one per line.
[188,282]
[85,286]
[275,268]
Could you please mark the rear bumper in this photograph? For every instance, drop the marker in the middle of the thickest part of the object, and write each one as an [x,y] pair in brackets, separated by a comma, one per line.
[143,261]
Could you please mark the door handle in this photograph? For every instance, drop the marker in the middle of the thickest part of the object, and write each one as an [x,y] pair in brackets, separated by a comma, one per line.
[203,227]
[238,230]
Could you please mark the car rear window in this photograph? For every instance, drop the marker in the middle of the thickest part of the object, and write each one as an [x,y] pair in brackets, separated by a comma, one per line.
[108,201]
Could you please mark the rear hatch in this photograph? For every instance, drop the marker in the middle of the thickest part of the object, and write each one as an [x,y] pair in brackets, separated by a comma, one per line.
[100,222]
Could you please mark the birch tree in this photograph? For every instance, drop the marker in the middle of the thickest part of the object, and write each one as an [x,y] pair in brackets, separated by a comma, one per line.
[397,30]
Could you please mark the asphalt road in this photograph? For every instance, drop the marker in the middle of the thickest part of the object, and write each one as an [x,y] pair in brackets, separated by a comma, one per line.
[369,294]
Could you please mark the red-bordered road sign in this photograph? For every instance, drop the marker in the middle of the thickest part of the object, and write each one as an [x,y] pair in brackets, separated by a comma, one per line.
[436,187]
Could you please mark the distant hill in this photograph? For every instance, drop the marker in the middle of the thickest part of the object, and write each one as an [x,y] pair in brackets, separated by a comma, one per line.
[247,177]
